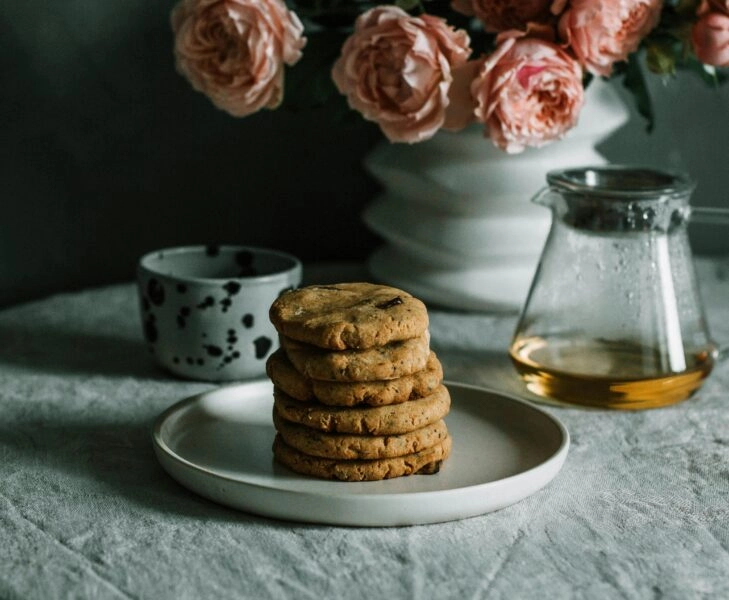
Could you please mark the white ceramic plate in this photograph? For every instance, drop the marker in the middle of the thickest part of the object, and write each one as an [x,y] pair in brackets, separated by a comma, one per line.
[218,444]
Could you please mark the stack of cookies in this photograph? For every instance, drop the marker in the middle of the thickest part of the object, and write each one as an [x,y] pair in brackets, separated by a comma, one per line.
[358,393]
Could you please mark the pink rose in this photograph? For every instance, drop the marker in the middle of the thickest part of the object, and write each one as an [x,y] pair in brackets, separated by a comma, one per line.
[528,93]
[234,51]
[710,39]
[396,70]
[500,15]
[603,32]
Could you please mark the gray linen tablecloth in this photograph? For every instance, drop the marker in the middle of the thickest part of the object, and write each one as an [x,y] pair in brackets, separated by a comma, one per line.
[640,509]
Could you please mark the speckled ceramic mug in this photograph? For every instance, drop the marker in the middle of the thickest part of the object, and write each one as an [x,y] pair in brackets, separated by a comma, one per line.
[204,309]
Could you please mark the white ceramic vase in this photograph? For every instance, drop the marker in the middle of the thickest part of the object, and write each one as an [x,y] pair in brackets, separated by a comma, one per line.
[459,228]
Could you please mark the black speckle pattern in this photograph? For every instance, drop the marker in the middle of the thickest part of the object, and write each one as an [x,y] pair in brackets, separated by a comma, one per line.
[226,356]
[247,320]
[155,292]
[232,287]
[182,315]
[263,345]
[244,260]
[206,303]
[151,333]
[181,288]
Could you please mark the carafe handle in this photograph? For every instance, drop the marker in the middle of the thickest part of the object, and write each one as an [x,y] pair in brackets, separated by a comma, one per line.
[706,215]
[722,353]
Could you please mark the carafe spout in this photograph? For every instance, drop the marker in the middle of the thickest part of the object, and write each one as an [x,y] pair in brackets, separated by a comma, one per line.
[546,197]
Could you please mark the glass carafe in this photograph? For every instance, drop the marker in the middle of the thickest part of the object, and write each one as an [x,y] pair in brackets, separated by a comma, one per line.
[613,318]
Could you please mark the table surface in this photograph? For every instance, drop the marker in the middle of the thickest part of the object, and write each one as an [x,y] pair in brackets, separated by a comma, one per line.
[639,510]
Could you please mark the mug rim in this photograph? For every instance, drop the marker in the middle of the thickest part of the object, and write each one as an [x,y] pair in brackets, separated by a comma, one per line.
[293,266]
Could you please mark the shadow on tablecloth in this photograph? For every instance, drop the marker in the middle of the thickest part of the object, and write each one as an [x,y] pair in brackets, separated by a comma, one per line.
[66,351]
[100,465]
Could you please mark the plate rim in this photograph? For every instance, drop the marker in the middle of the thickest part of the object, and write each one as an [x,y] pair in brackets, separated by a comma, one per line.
[534,479]
[555,460]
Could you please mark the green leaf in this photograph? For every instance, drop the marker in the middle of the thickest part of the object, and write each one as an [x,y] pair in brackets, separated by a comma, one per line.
[710,75]
[407,5]
[686,8]
[308,83]
[634,81]
[661,57]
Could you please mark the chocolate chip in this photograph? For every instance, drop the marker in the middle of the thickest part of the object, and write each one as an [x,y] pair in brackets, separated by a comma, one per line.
[390,303]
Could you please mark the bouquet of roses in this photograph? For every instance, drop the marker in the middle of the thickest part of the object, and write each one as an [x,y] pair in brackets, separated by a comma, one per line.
[414,67]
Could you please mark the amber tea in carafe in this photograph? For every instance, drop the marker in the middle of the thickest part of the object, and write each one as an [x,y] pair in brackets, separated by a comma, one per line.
[613,318]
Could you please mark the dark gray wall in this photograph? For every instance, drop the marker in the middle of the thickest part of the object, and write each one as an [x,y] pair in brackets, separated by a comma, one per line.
[106,153]
[691,134]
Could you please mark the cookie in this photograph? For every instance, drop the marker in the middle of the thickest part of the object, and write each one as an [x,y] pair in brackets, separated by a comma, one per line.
[344,393]
[378,420]
[394,360]
[284,376]
[426,461]
[350,447]
[349,315]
